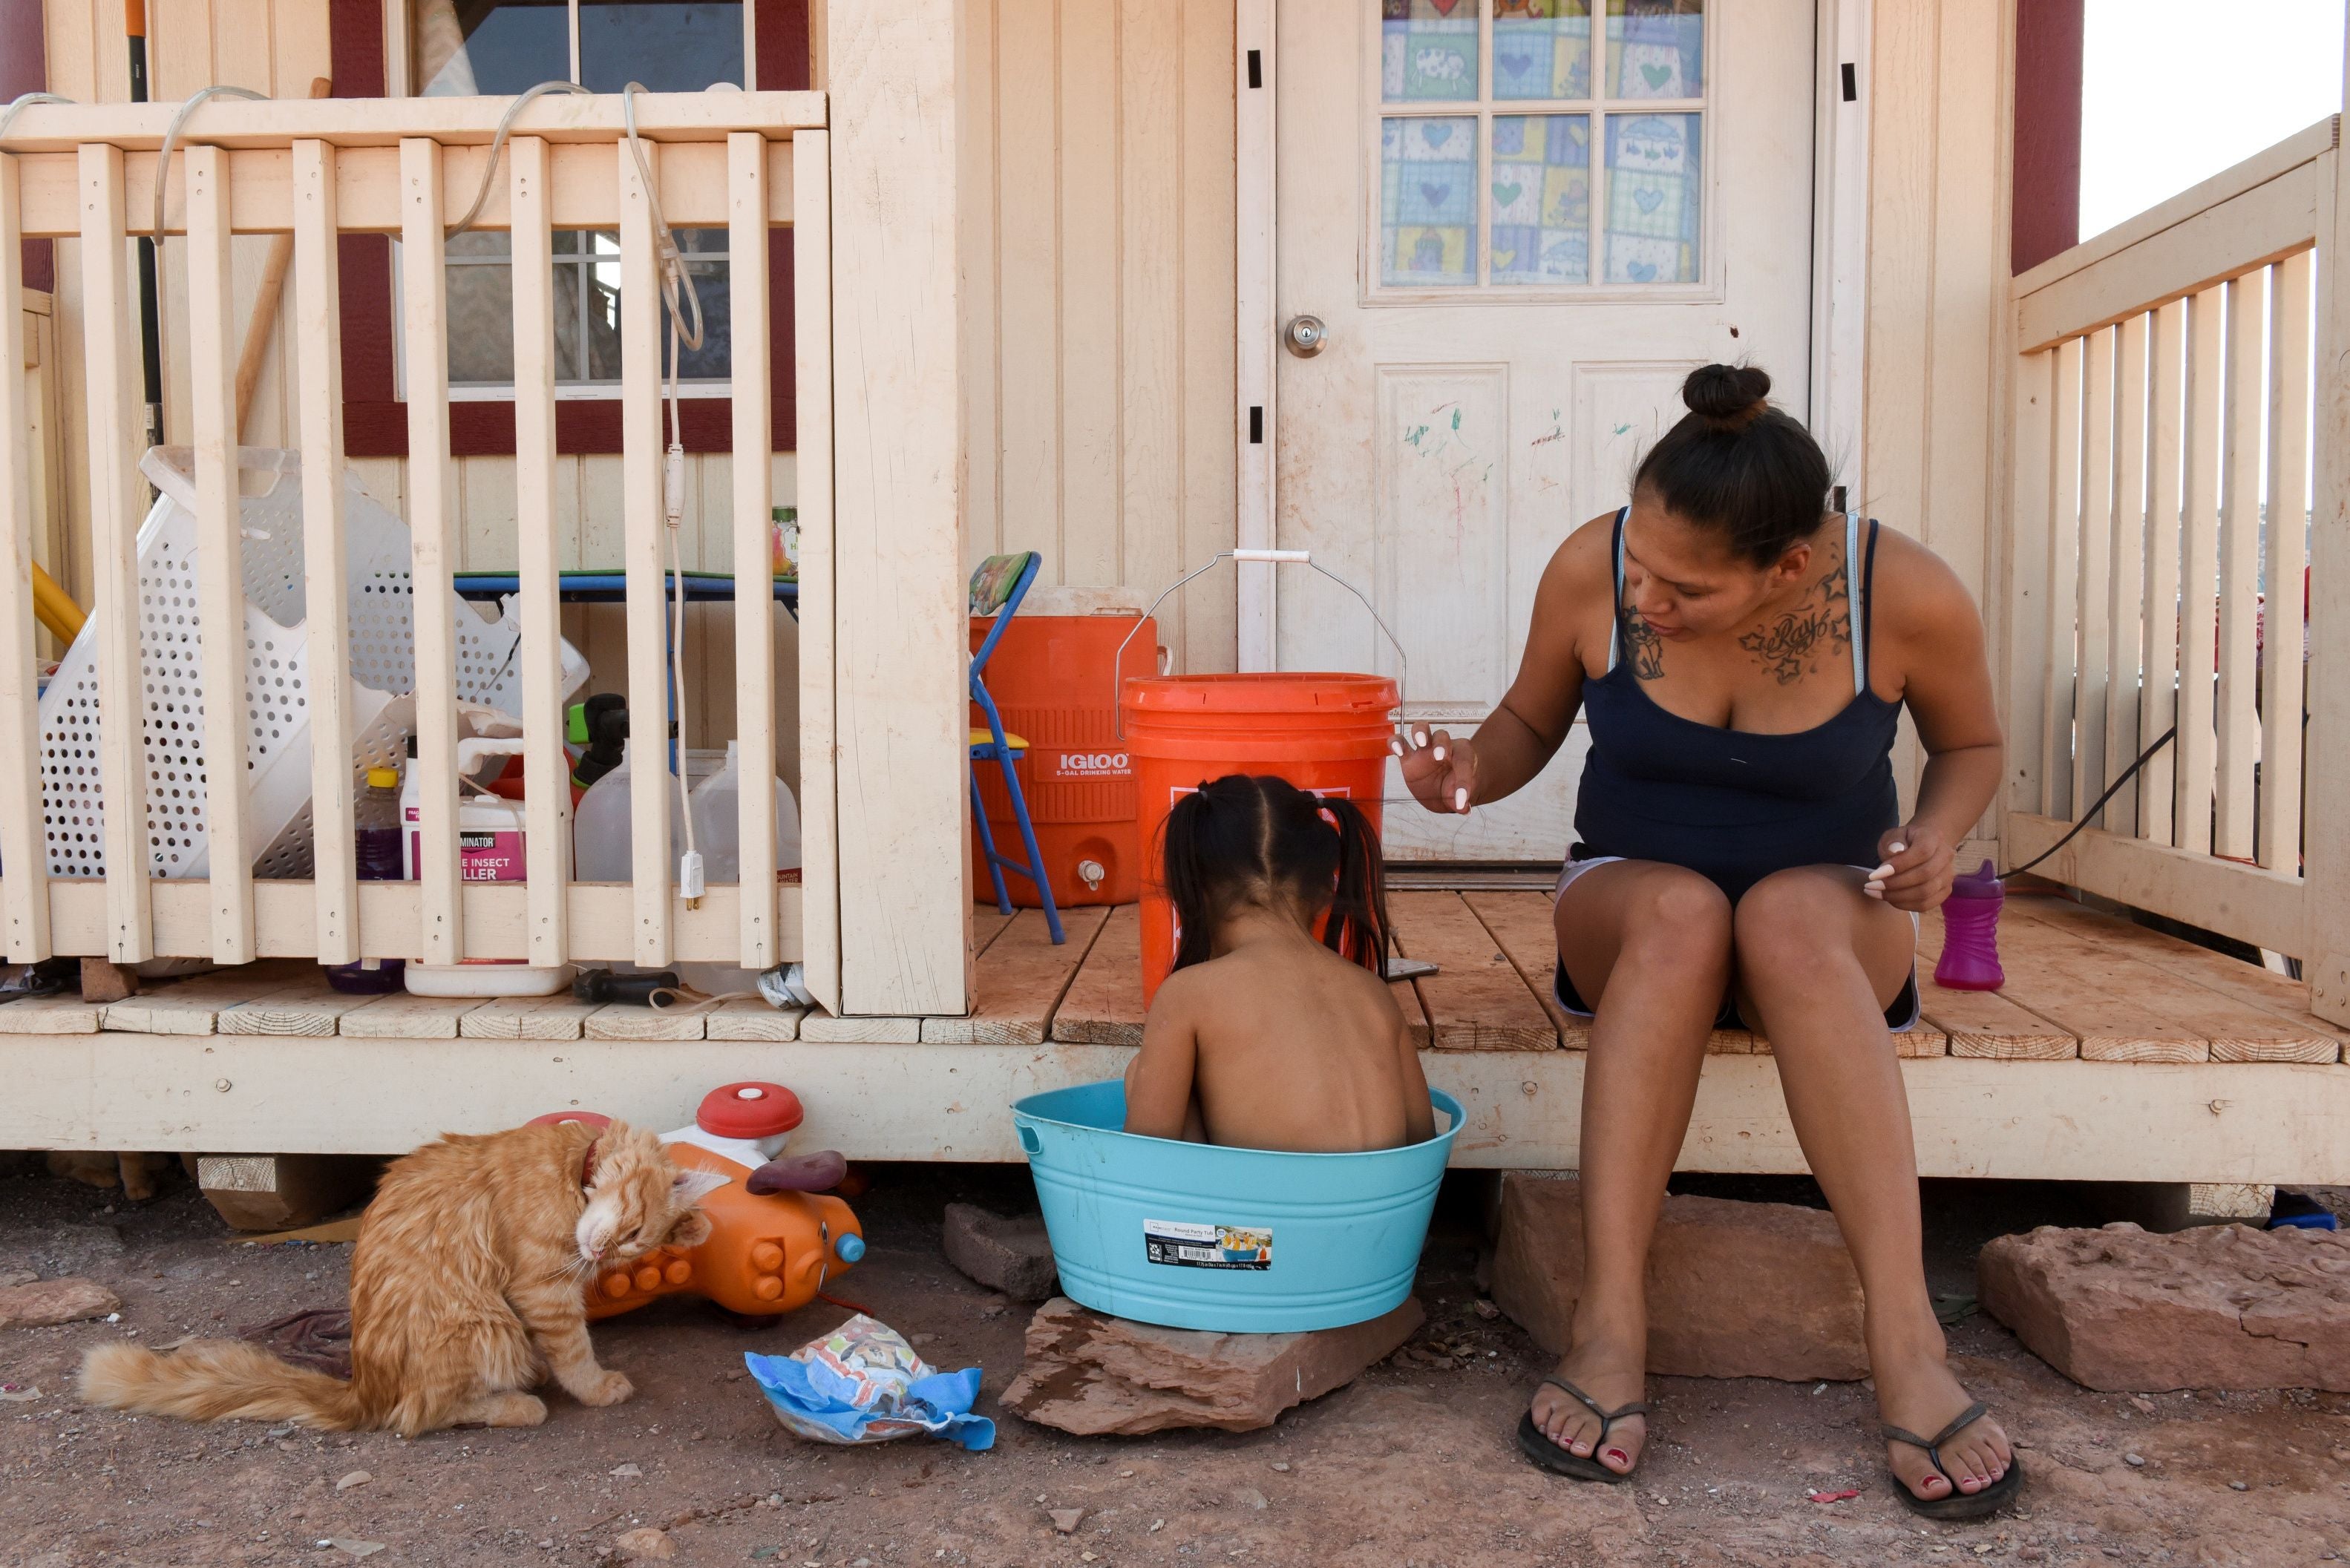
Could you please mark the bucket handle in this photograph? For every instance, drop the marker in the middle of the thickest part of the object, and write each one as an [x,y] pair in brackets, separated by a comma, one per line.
[1270,557]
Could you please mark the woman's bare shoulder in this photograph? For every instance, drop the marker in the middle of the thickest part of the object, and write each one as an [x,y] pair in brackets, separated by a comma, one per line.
[1917,593]
[1583,564]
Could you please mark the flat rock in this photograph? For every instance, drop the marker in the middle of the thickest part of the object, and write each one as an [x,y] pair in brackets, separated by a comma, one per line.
[1009,1255]
[46,1302]
[1093,1374]
[1735,1290]
[2223,1306]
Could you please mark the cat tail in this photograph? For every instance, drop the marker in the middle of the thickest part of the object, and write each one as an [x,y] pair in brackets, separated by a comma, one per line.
[217,1380]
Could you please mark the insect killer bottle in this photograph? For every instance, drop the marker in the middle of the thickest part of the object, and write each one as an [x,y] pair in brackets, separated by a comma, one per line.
[491,847]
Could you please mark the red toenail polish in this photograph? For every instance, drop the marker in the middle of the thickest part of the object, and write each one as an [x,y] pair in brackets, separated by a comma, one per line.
[1619,1454]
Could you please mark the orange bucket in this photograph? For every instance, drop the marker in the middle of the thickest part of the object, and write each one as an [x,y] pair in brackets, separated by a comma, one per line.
[1327,733]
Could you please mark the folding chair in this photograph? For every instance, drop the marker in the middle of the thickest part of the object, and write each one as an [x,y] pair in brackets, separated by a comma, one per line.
[996,590]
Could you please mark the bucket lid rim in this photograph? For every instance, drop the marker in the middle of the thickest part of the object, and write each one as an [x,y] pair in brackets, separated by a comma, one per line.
[1264,691]
[1437,1098]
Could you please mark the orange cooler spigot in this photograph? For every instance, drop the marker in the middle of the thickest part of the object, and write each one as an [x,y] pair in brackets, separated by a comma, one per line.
[767,1253]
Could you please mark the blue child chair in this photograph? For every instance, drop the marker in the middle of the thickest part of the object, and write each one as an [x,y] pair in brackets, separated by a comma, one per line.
[996,590]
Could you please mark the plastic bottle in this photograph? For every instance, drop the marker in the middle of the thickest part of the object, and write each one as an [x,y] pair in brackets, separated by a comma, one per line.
[716,809]
[1969,959]
[492,848]
[374,818]
[602,829]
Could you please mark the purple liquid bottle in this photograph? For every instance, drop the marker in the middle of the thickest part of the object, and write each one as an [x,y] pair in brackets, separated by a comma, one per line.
[375,817]
[1970,959]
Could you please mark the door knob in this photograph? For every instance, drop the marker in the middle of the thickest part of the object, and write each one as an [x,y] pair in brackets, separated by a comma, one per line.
[1306,336]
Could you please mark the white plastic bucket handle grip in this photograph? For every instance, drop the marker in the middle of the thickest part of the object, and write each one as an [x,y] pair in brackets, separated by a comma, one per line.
[1271,557]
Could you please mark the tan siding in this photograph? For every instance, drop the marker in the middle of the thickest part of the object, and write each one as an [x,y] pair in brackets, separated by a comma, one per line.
[1097,252]
[1937,277]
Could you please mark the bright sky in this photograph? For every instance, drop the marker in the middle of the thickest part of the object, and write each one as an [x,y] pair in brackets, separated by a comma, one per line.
[2173,91]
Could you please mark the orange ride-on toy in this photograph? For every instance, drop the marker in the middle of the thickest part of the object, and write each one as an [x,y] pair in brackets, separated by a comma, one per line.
[772,1245]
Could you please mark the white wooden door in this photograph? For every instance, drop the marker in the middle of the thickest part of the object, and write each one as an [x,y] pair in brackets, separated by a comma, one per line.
[1522,222]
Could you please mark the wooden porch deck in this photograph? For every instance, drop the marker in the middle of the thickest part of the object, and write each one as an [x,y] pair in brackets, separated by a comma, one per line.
[2114,1053]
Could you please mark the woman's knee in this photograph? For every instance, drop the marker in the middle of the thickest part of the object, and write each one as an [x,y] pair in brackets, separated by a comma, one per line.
[1678,916]
[1794,923]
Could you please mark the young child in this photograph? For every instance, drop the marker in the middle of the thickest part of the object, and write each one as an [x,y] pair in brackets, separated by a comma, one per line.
[1263,1037]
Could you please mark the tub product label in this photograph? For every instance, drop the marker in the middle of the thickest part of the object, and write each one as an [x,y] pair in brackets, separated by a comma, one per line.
[1185,1245]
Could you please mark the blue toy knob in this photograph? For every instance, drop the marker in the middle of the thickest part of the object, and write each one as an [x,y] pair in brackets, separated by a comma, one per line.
[850,1248]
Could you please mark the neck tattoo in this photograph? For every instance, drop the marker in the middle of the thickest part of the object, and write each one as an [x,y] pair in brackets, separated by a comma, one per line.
[1818,625]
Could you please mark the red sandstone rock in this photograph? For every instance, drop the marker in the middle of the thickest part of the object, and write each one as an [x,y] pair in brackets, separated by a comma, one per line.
[2220,1306]
[1735,1290]
[46,1301]
[1094,1374]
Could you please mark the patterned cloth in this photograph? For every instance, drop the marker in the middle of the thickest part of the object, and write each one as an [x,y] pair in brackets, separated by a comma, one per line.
[994,579]
[864,1384]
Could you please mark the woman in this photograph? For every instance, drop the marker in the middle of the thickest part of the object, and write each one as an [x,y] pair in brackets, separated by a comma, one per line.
[1743,656]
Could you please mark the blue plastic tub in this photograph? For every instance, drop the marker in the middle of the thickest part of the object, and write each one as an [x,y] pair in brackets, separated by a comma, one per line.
[1239,1240]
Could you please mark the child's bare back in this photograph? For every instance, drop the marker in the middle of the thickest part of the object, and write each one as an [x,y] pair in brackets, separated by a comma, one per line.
[1271,1040]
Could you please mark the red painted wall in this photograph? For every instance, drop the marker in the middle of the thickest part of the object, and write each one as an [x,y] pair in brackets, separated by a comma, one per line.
[2047,188]
[24,67]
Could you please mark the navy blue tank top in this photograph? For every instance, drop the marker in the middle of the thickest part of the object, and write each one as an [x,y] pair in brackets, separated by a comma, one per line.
[1730,804]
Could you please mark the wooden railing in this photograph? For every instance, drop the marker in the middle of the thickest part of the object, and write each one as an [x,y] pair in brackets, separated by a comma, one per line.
[321,169]
[2157,559]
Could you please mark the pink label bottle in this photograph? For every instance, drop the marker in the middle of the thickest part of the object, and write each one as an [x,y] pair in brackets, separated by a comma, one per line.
[1970,959]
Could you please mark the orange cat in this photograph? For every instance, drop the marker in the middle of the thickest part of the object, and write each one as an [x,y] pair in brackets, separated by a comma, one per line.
[466,1289]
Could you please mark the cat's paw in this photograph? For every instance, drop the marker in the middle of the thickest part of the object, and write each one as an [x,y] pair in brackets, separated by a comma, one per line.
[607,1387]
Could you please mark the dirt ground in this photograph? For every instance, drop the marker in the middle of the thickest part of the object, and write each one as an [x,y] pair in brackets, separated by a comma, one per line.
[1413,1466]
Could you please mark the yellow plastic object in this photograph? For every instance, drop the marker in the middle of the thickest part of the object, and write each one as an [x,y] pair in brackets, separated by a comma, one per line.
[54,608]
[981,737]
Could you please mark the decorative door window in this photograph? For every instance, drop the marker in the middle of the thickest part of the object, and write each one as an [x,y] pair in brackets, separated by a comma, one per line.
[1518,145]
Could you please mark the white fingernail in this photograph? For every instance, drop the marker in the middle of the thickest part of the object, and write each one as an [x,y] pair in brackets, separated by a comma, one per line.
[1420,737]
[1874,891]
[1459,800]
[1897,849]
[1440,754]
[1396,747]
[1882,872]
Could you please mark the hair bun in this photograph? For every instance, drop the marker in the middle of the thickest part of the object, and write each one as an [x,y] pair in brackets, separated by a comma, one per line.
[1726,393]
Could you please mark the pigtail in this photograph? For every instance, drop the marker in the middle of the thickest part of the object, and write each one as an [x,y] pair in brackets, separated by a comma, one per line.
[1186,876]
[1358,928]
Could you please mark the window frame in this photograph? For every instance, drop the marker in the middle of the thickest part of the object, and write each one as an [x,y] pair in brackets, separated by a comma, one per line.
[367,41]
[1482,110]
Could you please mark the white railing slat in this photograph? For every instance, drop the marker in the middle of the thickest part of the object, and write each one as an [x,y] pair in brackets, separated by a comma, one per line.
[754,598]
[2287,563]
[2025,614]
[2158,703]
[547,768]
[642,436]
[2242,461]
[812,381]
[2198,572]
[118,498]
[431,515]
[23,852]
[2096,543]
[220,555]
[316,318]
[2062,579]
[2125,606]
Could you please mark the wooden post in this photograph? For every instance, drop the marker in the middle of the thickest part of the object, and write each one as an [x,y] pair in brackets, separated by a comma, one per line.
[2199,574]
[819,713]
[2288,562]
[2326,867]
[24,852]
[431,512]
[2242,458]
[901,626]
[2158,705]
[2025,648]
[265,298]
[319,371]
[2125,613]
[2062,579]
[755,598]
[220,552]
[2091,696]
[651,867]
[545,767]
[117,500]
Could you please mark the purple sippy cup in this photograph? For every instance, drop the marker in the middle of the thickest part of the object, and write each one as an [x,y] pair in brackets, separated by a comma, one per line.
[1970,959]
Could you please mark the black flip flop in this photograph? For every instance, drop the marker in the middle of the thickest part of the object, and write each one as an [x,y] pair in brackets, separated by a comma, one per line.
[1536,1444]
[1958,1504]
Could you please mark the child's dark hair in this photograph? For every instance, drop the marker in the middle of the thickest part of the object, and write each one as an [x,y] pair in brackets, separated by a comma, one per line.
[1738,466]
[1240,838]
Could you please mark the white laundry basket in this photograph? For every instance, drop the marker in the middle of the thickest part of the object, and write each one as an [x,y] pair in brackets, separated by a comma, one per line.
[277,748]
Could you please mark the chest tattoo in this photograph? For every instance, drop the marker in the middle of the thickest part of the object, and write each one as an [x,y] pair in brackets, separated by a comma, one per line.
[1648,648]
[1819,625]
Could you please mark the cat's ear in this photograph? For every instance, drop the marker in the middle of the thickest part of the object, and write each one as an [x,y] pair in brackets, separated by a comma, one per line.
[692,1185]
